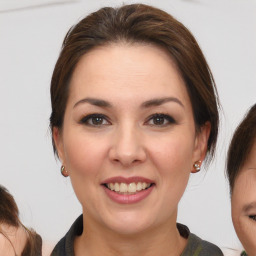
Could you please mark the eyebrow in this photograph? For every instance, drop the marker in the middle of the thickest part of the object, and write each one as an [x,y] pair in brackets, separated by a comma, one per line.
[95,102]
[158,102]
[249,206]
[146,104]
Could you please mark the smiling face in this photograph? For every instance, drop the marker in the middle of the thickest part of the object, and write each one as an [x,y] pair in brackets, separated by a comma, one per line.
[128,140]
[244,203]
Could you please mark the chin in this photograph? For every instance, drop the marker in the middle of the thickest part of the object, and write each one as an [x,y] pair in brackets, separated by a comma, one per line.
[129,224]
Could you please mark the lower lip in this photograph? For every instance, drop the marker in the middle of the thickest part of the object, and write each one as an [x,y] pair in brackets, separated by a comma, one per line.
[128,199]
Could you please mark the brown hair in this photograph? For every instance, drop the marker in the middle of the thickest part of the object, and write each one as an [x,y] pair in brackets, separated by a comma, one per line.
[9,214]
[139,23]
[241,146]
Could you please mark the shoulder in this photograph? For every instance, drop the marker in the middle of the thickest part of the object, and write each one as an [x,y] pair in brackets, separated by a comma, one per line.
[66,245]
[197,246]
[59,249]
[204,247]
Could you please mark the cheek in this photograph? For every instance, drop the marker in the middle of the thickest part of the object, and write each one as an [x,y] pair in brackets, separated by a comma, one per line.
[84,159]
[243,194]
[172,158]
[173,154]
[246,231]
[84,155]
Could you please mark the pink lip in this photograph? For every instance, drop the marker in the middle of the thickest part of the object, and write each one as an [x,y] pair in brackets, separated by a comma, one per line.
[126,198]
[120,179]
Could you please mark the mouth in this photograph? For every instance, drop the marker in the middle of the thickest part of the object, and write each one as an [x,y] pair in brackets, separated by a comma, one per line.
[128,188]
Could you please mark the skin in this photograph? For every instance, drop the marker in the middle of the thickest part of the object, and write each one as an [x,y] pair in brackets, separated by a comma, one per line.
[244,204]
[17,238]
[127,143]
[16,241]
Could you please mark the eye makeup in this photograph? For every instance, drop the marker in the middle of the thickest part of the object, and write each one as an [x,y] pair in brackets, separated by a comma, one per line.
[95,119]
[160,119]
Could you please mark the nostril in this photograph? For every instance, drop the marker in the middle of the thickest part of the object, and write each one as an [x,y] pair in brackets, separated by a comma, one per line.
[127,150]
[126,160]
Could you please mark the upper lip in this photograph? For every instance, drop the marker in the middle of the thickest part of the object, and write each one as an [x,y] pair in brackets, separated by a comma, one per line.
[127,180]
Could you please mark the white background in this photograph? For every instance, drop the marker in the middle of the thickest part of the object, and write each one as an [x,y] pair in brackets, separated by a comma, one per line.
[8,5]
[30,41]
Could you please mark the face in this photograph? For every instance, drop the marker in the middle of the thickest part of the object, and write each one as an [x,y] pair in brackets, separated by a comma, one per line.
[128,140]
[244,204]
[15,240]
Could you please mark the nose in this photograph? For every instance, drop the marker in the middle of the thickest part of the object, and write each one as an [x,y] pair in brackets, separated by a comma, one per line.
[127,147]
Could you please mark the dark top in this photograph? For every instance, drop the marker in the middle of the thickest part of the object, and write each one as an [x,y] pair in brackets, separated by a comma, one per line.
[195,246]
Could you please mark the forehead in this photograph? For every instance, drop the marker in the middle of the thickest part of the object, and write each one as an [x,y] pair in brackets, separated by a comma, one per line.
[246,178]
[125,70]
[250,162]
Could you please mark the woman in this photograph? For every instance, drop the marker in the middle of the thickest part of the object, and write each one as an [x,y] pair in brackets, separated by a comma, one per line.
[15,238]
[134,112]
[241,170]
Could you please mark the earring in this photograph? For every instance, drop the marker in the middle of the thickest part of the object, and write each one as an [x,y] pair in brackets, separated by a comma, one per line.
[64,172]
[196,166]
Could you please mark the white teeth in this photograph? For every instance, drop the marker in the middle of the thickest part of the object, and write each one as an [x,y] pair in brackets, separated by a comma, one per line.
[139,186]
[116,187]
[112,186]
[123,188]
[128,188]
[132,187]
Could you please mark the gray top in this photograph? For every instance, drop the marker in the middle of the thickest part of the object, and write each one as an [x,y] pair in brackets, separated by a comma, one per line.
[195,246]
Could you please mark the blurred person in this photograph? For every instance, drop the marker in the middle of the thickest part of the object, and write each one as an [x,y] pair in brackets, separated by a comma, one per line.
[241,170]
[15,238]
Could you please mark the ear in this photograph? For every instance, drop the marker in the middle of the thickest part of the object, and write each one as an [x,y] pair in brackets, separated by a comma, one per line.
[57,137]
[201,142]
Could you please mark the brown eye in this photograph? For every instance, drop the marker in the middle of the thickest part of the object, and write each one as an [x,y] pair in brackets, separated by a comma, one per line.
[253,217]
[160,120]
[95,120]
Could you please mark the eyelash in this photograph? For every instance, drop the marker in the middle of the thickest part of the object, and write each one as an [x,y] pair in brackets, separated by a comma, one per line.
[159,119]
[253,217]
[163,117]
[86,120]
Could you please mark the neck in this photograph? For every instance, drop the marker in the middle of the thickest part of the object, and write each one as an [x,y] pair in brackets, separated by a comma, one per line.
[163,240]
